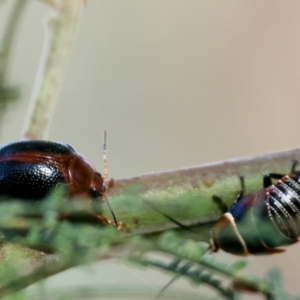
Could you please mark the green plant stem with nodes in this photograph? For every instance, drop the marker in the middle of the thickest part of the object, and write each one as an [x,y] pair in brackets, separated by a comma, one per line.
[61,30]
[207,271]
[186,194]
[9,93]
[76,244]
[9,37]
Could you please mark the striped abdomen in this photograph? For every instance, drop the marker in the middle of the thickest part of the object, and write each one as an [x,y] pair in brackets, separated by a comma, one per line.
[283,204]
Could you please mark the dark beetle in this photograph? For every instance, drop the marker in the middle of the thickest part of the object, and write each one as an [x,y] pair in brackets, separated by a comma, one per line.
[31,169]
[260,222]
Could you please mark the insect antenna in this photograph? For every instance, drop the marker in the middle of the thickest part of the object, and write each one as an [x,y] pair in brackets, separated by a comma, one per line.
[117,224]
[105,175]
[105,171]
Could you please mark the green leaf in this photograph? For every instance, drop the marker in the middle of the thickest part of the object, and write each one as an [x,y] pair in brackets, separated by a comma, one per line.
[171,242]
[238,266]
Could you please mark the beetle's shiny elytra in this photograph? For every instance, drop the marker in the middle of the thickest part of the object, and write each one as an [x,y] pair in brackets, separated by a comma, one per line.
[31,169]
[262,221]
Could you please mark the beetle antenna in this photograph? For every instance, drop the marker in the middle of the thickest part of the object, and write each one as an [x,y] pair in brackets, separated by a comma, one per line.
[117,224]
[105,175]
[105,172]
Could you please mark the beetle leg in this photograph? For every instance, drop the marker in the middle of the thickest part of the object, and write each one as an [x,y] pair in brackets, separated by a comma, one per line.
[240,195]
[106,221]
[223,206]
[294,164]
[268,178]
[103,219]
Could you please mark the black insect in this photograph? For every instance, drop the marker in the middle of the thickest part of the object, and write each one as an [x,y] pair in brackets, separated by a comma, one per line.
[262,221]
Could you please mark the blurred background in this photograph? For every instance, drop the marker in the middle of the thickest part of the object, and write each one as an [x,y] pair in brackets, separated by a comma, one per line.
[176,84]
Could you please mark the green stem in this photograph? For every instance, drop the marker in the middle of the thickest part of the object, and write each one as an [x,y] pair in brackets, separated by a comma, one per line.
[61,29]
[23,281]
[186,194]
[9,37]
[194,276]
[9,93]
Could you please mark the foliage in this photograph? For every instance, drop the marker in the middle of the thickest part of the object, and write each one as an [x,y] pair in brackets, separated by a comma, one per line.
[40,226]
[9,93]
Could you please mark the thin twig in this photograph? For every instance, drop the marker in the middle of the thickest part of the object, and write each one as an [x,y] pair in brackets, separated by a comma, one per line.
[60,34]
[9,37]
[8,92]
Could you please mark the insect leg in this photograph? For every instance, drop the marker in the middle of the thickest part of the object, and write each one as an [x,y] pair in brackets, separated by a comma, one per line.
[223,206]
[240,195]
[268,178]
[294,164]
